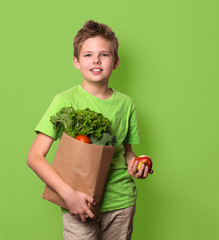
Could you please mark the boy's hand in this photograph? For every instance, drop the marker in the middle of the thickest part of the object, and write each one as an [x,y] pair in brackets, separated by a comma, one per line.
[143,171]
[77,203]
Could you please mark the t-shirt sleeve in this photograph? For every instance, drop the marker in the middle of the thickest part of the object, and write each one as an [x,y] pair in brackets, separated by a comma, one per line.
[133,135]
[45,126]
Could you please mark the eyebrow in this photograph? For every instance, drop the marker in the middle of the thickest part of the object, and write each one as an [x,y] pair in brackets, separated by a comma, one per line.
[100,51]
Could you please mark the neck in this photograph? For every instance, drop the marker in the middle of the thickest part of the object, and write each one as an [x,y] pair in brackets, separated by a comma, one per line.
[97,90]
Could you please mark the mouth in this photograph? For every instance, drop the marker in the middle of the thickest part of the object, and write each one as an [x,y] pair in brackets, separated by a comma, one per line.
[96,70]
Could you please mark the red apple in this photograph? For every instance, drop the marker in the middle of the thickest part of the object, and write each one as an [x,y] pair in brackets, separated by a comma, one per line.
[143,159]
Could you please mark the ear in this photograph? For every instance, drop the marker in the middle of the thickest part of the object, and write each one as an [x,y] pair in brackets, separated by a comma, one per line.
[76,63]
[116,64]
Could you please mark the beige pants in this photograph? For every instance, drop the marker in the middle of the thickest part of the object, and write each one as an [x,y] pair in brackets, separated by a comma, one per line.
[114,225]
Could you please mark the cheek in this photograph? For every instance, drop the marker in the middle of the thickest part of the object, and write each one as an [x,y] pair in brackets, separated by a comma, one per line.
[110,65]
[84,65]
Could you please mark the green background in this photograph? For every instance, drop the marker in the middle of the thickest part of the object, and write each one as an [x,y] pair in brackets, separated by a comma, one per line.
[168,64]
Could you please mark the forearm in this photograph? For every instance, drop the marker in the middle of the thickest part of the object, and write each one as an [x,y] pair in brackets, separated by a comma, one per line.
[76,201]
[48,174]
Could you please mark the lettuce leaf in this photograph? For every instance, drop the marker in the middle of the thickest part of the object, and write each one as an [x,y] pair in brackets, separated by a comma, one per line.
[84,122]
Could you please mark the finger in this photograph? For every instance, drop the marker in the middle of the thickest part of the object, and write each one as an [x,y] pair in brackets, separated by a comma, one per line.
[83,217]
[151,171]
[134,168]
[130,165]
[145,172]
[141,171]
[90,199]
[90,214]
[132,161]
[77,216]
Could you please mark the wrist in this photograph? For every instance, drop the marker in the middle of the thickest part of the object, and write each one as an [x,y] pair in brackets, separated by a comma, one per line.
[129,157]
[67,193]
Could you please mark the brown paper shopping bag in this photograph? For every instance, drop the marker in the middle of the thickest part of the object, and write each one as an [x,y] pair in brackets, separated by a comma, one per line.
[83,166]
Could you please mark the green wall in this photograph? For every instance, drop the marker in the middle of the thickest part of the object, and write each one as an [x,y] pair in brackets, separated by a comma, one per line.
[168,64]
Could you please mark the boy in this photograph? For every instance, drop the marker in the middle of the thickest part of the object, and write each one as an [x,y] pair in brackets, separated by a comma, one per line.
[96,56]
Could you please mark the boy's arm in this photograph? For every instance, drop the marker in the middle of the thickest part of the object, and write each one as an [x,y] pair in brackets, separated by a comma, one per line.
[132,167]
[75,201]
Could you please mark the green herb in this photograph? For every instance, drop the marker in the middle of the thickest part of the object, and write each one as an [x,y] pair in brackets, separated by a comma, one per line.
[106,140]
[84,122]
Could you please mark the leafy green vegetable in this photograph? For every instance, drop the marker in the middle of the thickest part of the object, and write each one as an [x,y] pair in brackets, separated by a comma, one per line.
[106,140]
[84,122]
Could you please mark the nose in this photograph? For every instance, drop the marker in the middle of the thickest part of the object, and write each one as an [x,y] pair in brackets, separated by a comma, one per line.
[96,60]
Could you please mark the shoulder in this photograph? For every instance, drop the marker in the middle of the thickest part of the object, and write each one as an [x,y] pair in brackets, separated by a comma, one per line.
[123,97]
[66,96]
[68,92]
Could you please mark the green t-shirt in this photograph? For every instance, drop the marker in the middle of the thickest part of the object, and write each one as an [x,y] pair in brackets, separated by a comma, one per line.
[120,191]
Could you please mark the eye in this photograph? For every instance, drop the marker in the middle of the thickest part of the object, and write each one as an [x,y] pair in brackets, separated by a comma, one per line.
[105,54]
[87,55]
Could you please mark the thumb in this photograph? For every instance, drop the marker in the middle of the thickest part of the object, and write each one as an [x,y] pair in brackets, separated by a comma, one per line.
[131,163]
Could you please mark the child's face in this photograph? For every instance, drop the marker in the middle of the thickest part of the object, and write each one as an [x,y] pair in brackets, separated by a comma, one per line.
[96,60]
